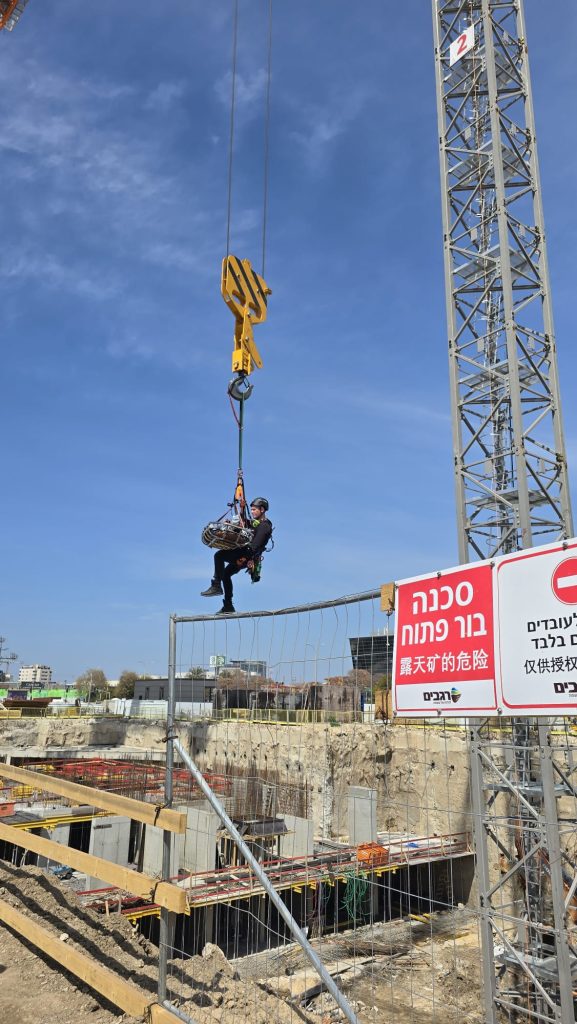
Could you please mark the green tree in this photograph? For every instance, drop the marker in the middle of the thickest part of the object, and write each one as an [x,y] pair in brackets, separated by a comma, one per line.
[234,679]
[383,683]
[195,672]
[92,684]
[360,677]
[126,683]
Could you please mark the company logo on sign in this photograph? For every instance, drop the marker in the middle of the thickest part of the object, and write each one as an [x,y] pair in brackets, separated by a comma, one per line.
[437,696]
[565,687]
[442,696]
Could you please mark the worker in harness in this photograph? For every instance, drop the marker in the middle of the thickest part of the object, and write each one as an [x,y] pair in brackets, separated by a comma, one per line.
[228,563]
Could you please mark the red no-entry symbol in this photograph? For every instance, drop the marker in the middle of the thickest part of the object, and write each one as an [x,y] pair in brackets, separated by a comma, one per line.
[564,581]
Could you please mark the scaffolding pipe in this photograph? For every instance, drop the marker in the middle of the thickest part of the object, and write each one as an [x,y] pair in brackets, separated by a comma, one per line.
[178,1013]
[263,878]
[367,595]
[166,918]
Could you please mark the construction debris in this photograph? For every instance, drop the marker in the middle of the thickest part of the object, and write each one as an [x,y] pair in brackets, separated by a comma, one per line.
[384,970]
[206,987]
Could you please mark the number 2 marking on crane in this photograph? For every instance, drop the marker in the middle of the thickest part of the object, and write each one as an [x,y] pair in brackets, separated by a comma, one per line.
[462,44]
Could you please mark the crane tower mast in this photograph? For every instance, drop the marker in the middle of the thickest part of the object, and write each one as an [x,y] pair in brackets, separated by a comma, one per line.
[510,477]
[509,453]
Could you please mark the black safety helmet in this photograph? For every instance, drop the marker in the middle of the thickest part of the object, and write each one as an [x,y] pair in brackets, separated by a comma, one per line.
[260,503]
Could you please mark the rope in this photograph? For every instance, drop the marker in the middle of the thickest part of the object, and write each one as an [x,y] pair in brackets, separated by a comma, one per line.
[232,110]
[355,895]
[266,139]
[234,411]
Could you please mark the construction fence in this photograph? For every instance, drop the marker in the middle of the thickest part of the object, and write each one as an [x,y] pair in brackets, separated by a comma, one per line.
[424,869]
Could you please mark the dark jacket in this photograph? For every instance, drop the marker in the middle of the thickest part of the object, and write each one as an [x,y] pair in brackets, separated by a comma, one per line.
[260,537]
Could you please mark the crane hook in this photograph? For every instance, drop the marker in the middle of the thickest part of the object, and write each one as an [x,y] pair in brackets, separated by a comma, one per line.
[239,388]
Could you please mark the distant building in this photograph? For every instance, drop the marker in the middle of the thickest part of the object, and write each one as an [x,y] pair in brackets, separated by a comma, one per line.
[218,664]
[186,690]
[262,695]
[344,696]
[252,668]
[373,653]
[39,675]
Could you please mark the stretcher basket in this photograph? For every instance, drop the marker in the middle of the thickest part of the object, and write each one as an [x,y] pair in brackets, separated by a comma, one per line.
[226,534]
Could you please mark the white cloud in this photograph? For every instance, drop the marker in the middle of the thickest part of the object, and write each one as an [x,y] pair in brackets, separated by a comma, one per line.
[171,348]
[63,123]
[33,80]
[175,257]
[160,563]
[164,96]
[323,125]
[410,409]
[376,403]
[106,199]
[249,90]
[50,86]
[117,165]
[131,345]
[53,274]
[190,571]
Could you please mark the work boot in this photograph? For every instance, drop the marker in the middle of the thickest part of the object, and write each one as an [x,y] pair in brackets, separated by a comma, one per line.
[215,589]
[227,608]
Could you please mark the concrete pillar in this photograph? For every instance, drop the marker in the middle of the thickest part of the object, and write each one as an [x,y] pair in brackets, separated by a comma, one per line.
[59,834]
[262,914]
[109,839]
[198,845]
[208,924]
[190,852]
[152,853]
[298,840]
[362,812]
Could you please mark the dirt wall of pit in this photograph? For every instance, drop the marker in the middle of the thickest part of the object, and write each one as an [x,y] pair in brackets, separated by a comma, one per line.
[421,775]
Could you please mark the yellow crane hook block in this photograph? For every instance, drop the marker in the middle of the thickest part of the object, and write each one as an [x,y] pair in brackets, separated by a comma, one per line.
[246,294]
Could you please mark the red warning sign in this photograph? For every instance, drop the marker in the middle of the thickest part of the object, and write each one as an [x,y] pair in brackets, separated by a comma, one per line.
[564,581]
[444,643]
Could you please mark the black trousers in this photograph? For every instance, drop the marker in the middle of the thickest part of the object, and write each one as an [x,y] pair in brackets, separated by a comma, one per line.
[225,568]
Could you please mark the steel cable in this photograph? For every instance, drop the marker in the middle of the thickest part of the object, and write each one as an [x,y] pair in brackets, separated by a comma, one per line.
[232,112]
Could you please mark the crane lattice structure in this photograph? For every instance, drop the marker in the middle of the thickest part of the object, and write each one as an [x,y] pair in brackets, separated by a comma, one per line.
[510,463]
[10,13]
[6,657]
[510,474]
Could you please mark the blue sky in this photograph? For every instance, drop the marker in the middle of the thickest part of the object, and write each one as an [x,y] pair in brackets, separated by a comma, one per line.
[119,444]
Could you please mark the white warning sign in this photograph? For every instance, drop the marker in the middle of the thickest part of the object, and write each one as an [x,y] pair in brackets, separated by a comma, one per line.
[536,598]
